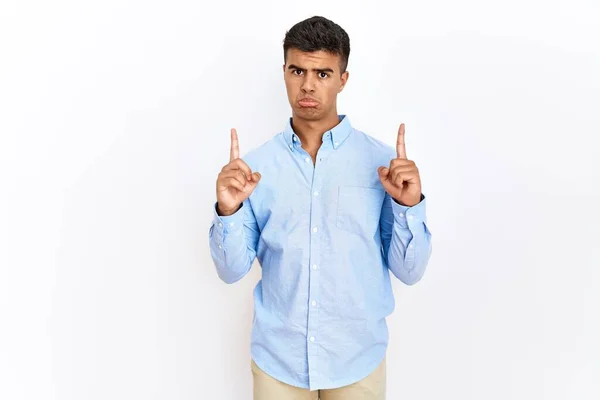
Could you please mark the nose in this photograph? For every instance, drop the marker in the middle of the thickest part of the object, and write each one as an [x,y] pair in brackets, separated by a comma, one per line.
[308,84]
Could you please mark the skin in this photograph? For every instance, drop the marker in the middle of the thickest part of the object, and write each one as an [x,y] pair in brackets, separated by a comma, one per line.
[401,178]
[315,75]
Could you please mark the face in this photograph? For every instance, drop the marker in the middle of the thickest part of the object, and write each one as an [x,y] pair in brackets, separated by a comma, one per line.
[314,76]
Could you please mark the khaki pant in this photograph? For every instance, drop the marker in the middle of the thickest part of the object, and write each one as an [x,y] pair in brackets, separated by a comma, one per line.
[370,388]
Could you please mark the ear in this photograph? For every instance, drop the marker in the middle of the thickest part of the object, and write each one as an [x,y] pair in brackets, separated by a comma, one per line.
[344,79]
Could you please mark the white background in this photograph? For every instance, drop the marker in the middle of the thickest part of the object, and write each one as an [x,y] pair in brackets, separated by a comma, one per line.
[114,122]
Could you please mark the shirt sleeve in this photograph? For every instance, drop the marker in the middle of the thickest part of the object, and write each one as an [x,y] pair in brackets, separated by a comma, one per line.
[233,240]
[406,240]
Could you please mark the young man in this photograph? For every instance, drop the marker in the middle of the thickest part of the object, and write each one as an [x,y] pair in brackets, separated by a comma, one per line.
[328,211]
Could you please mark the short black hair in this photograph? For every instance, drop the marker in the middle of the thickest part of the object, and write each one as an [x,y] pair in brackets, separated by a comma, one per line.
[318,33]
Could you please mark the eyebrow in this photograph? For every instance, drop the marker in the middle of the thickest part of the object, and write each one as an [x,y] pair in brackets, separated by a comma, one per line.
[292,66]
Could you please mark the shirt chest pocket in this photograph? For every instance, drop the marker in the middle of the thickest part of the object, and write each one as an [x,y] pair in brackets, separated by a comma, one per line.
[359,209]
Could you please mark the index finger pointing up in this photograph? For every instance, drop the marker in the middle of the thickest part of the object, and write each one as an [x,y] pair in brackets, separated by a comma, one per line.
[234,152]
[400,147]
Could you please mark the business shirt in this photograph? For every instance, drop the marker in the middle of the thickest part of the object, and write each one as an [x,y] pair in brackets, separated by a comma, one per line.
[326,236]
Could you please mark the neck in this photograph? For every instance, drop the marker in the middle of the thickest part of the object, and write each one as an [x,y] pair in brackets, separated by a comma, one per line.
[311,132]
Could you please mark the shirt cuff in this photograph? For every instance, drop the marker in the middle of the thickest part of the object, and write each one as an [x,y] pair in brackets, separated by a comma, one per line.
[406,216]
[228,223]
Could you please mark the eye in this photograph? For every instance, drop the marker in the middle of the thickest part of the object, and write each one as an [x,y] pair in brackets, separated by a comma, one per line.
[324,73]
[296,70]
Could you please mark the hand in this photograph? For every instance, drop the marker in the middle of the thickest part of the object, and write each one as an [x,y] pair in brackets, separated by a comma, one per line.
[235,182]
[401,180]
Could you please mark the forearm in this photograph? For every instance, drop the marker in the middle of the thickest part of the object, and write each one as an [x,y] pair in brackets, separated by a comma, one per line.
[232,245]
[409,246]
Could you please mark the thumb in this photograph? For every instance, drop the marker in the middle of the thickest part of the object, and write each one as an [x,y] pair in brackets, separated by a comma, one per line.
[383,173]
[254,179]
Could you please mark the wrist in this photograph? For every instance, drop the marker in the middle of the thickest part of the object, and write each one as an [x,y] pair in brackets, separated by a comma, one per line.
[410,202]
[227,212]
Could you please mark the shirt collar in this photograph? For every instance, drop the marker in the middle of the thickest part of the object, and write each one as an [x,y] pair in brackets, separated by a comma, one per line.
[336,135]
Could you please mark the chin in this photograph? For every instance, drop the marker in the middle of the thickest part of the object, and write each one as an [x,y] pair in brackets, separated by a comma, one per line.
[309,113]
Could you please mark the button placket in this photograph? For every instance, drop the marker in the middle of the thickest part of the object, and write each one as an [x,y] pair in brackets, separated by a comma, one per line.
[316,231]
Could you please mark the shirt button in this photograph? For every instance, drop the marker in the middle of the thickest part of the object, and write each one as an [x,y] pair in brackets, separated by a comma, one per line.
[307,159]
[231,224]
[315,229]
[291,146]
[314,303]
[410,217]
[312,338]
[411,245]
[316,193]
[336,143]
[314,266]
[220,224]
[401,215]
[294,138]
[220,246]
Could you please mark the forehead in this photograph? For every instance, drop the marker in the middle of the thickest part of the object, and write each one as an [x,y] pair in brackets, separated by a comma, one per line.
[313,59]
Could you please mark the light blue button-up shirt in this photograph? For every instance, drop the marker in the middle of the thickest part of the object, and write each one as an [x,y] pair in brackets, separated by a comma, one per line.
[326,236]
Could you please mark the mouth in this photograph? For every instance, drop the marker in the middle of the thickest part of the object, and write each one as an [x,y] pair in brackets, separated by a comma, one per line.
[308,103]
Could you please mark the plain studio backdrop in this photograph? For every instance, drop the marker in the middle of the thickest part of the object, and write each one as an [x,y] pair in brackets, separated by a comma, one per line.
[115,120]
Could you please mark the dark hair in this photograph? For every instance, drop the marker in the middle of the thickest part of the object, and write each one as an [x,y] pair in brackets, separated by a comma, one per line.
[318,33]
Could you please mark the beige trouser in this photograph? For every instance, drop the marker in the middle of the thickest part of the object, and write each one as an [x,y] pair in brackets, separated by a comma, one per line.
[370,388]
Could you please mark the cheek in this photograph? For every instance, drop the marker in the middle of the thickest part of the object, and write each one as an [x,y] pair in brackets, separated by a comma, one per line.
[291,89]
[331,93]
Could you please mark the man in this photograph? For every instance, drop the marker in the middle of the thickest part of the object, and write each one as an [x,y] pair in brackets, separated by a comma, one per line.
[328,211]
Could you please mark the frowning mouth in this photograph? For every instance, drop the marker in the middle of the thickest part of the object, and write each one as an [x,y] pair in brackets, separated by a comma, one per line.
[306,102]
